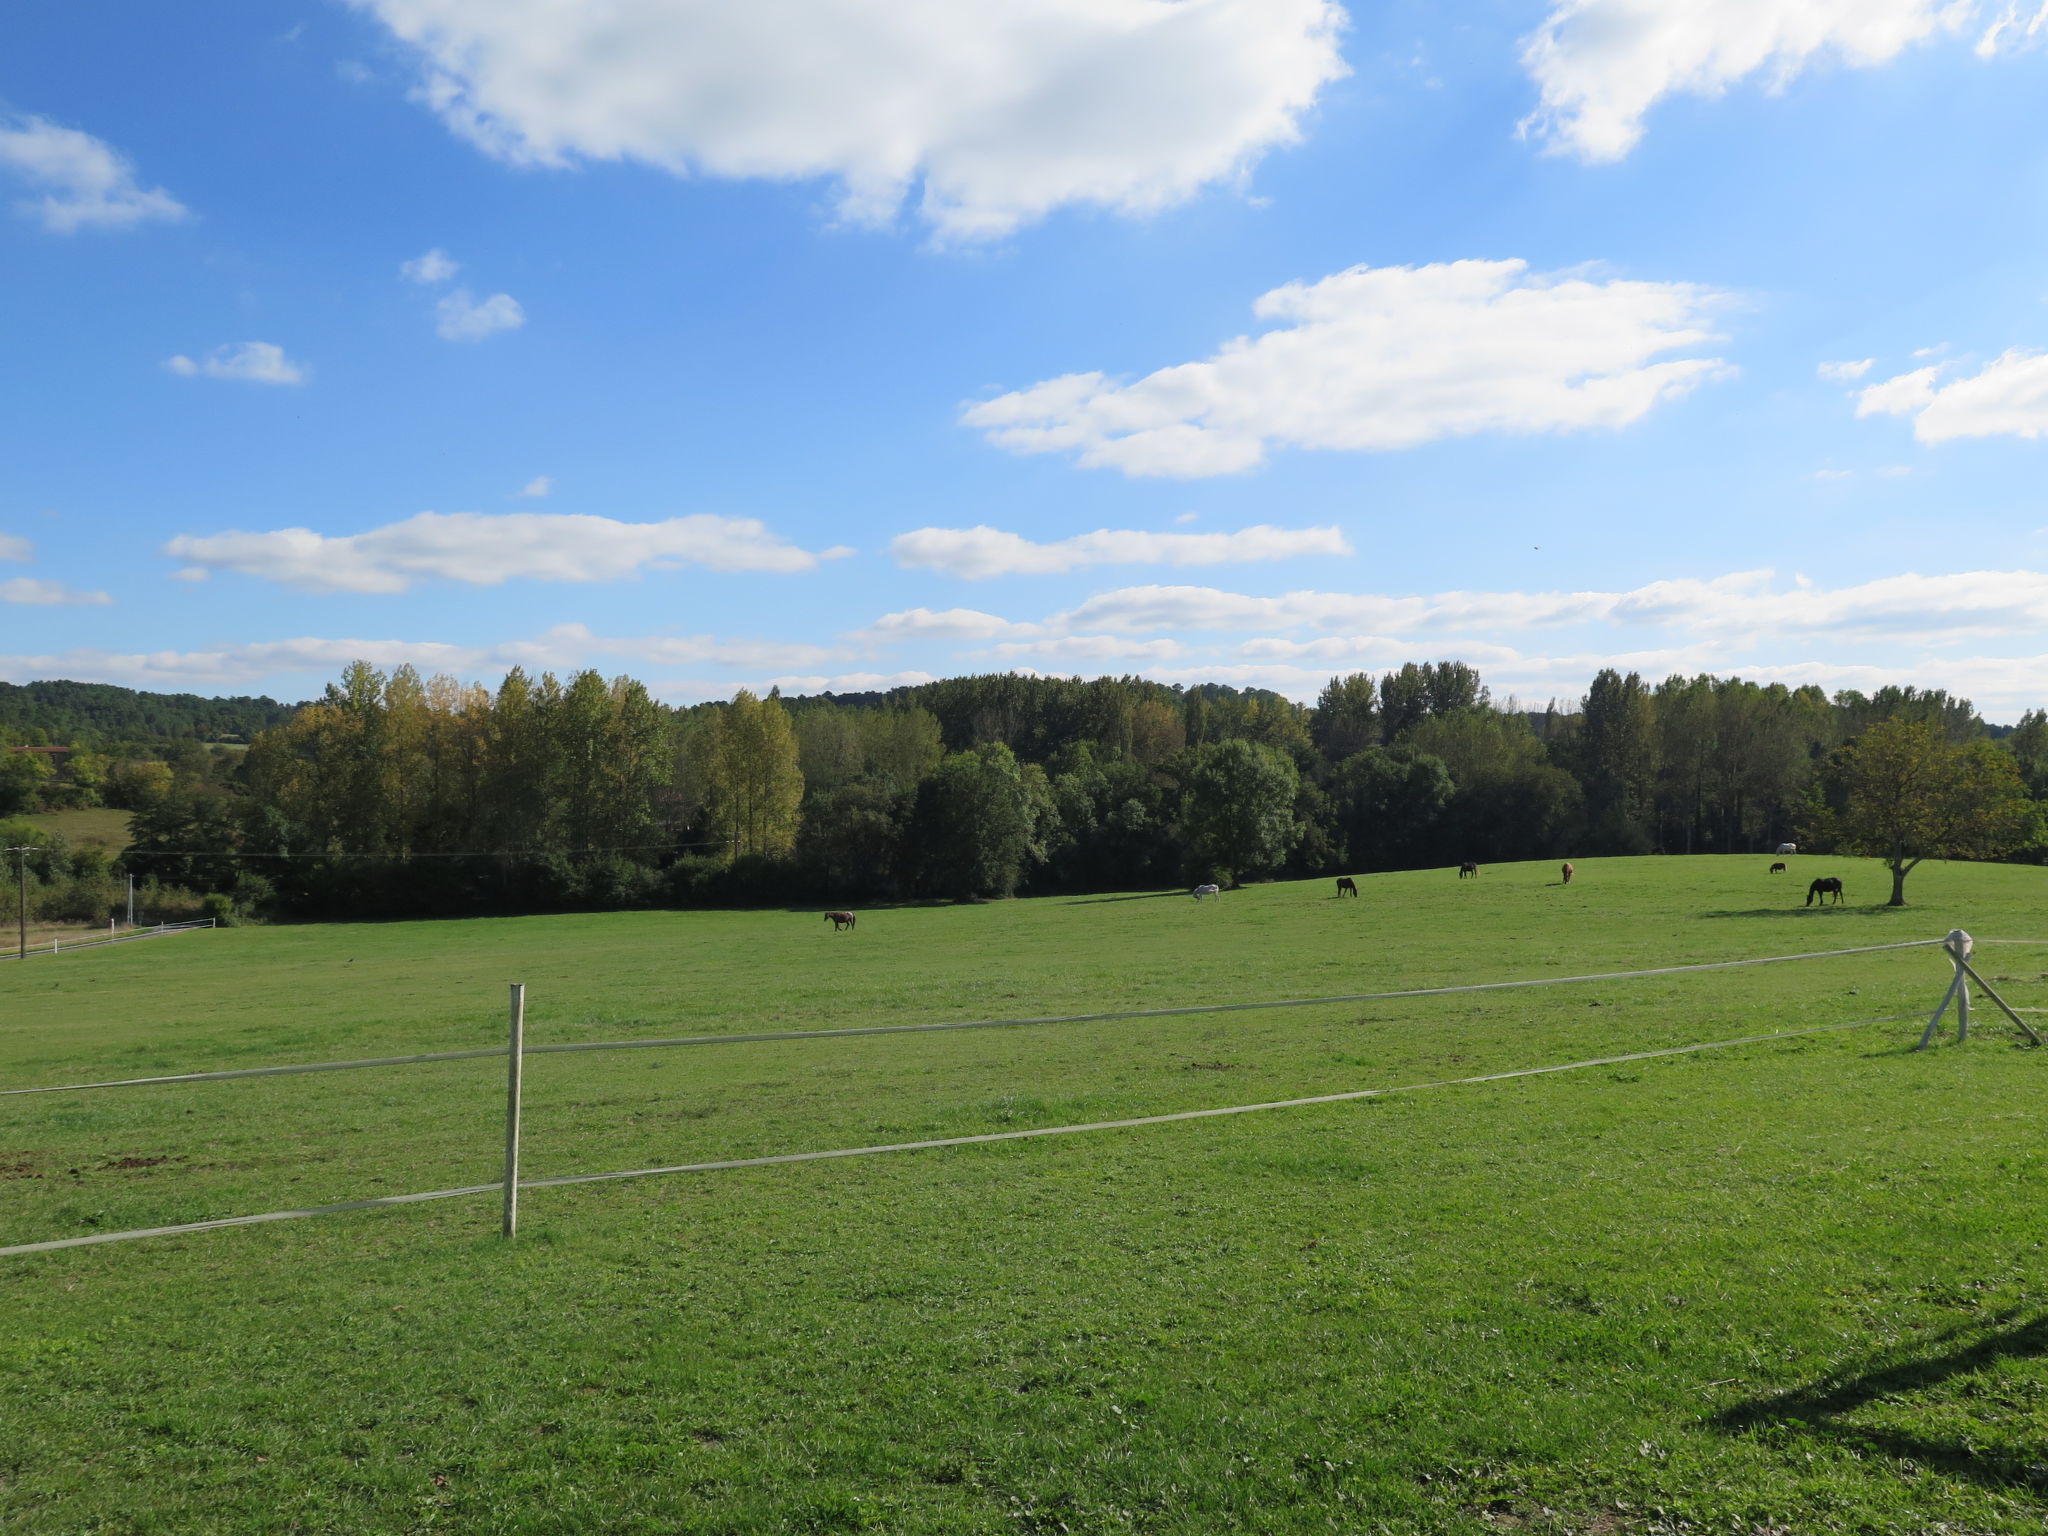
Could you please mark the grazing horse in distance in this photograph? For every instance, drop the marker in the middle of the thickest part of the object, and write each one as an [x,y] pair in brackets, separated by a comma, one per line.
[1568,873]
[1346,886]
[1825,887]
[1788,847]
[1777,869]
[1206,890]
[841,921]
[1468,868]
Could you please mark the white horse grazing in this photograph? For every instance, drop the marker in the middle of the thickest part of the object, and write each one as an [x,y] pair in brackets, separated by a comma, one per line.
[1788,847]
[1206,890]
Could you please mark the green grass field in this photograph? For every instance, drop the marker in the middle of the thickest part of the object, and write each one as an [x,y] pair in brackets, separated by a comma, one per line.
[1797,1286]
[101,828]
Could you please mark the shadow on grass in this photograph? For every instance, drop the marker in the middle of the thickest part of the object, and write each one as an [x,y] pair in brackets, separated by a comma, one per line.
[1823,1407]
[1799,911]
[1090,901]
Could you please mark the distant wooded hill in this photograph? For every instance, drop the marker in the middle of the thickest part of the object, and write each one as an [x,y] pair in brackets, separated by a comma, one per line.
[66,714]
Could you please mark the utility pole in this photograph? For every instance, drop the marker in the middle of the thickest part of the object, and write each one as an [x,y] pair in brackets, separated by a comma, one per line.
[21,851]
[131,901]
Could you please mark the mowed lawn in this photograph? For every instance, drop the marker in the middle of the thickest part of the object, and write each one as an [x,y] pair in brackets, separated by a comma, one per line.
[1799,1285]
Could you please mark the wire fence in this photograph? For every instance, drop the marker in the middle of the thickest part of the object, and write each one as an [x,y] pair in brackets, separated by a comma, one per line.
[160,930]
[510,1185]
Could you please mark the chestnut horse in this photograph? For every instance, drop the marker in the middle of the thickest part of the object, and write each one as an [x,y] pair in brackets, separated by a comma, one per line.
[1568,873]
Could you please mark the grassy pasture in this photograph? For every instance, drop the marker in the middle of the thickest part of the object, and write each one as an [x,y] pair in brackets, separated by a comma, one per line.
[97,828]
[1791,1286]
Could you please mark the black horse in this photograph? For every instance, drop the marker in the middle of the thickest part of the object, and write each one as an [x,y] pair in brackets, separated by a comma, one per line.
[1824,888]
[1346,886]
[1468,868]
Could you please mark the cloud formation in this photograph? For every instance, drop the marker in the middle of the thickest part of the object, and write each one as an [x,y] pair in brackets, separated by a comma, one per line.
[2008,397]
[1601,65]
[986,115]
[979,552]
[430,267]
[1380,358]
[15,547]
[47,594]
[1970,605]
[537,487]
[246,362]
[1845,373]
[560,649]
[485,549]
[461,316]
[85,183]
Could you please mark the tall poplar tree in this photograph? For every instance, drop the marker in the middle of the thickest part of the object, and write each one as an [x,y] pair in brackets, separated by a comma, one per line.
[754,783]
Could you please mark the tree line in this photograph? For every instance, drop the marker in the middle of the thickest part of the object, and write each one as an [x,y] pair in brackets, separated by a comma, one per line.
[394,793]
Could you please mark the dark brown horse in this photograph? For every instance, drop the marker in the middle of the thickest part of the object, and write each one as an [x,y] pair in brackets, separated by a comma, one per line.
[841,921]
[1568,873]
[1346,886]
[1468,868]
[1777,869]
[1825,887]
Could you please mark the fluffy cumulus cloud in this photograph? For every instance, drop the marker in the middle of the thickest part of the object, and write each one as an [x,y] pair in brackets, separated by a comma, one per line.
[1601,65]
[485,549]
[986,115]
[2008,397]
[461,316]
[247,362]
[1379,358]
[77,181]
[974,553]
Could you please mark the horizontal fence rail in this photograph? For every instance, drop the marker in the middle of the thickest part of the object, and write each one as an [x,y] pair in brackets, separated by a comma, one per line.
[160,930]
[729,1164]
[756,1037]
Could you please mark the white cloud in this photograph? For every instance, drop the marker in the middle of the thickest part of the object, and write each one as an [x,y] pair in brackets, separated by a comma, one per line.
[1601,65]
[248,362]
[845,682]
[990,113]
[461,317]
[1383,358]
[85,182]
[974,553]
[485,549]
[563,648]
[1844,373]
[1972,605]
[47,594]
[537,487]
[1089,648]
[2007,397]
[15,547]
[949,624]
[431,267]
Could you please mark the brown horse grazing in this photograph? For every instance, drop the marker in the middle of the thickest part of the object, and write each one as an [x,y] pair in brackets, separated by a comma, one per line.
[1777,869]
[1824,888]
[841,921]
[1468,868]
[1568,873]
[1346,886]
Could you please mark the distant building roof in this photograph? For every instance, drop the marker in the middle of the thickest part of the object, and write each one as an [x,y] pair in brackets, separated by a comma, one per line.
[52,751]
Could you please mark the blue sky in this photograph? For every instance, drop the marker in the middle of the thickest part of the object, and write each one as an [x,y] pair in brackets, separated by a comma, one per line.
[843,342]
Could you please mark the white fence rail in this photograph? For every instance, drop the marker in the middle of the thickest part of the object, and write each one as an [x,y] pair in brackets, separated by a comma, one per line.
[59,947]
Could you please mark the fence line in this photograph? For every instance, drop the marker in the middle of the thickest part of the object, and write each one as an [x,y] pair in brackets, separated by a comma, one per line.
[757,1037]
[159,931]
[728,1164]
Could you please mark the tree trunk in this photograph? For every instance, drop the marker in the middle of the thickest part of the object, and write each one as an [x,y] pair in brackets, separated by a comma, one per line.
[1898,885]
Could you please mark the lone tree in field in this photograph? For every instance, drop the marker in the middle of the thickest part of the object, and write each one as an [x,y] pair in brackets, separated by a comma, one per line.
[1912,795]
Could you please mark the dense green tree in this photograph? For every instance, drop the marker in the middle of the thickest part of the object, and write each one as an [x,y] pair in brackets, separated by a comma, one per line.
[1238,817]
[1347,717]
[756,786]
[975,824]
